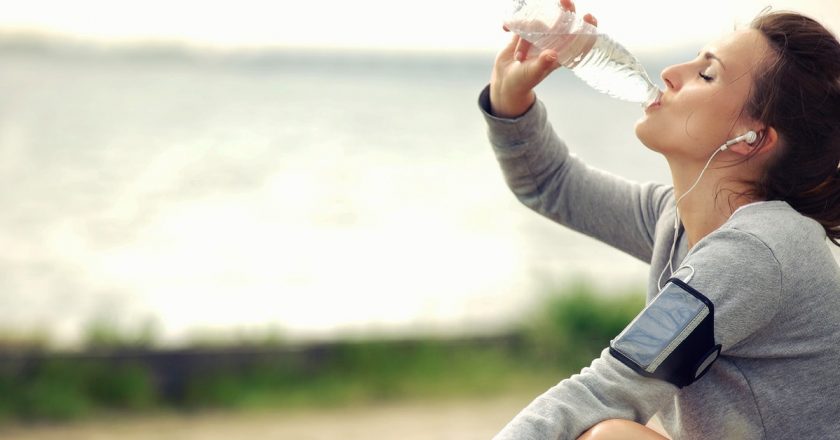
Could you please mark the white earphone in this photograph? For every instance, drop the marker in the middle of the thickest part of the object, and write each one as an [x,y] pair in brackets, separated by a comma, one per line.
[749,137]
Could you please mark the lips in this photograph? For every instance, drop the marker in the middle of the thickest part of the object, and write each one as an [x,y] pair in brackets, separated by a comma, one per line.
[656,102]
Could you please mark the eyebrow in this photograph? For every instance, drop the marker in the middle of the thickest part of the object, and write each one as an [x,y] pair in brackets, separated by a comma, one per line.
[710,56]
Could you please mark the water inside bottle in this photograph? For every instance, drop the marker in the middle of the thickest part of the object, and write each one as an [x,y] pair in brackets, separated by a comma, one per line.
[610,68]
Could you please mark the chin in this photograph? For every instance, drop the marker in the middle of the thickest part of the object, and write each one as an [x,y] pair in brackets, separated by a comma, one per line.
[646,135]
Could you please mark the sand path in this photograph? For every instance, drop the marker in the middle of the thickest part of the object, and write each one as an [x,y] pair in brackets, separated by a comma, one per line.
[477,419]
[461,419]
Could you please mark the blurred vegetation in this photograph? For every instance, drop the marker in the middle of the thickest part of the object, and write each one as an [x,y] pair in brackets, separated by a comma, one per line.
[573,324]
[63,390]
[106,332]
[354,372]
[564,333]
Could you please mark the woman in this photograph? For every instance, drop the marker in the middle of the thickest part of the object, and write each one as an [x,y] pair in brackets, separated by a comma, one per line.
[750,343]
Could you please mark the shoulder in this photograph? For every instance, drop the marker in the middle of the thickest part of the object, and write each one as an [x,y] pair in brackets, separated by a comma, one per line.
[760,246]
[737,269]
[757,238]
[798,244]
[776,224]
[737,251]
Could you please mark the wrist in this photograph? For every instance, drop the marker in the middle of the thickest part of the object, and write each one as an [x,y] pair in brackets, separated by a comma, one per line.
[511,107]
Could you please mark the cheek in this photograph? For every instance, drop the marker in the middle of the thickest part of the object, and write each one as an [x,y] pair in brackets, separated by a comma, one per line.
[678,128]
[695,122]
[711,124]
[714,114]
[711,120]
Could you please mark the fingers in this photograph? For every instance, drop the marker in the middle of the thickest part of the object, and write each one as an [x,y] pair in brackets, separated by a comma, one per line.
[568,5]
[548,59]
[509,50]
[522,50]
[522,46]
[539,68]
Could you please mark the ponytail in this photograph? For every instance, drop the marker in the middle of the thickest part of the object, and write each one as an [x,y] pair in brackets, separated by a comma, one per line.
[823,205]
[799,96]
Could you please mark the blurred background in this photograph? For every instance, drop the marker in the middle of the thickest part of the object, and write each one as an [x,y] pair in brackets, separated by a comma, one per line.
[289,211]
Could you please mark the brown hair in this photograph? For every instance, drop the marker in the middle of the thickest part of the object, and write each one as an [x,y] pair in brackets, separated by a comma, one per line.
[798,94]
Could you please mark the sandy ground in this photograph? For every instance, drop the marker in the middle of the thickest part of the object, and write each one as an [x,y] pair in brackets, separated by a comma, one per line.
[462,420]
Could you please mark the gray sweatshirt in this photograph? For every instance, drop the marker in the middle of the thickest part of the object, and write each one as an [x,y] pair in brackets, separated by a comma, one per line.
[768,270]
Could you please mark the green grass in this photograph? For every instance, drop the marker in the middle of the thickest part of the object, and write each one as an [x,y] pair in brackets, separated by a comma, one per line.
[573,325]
[568,329]
[65,390]
[374,371]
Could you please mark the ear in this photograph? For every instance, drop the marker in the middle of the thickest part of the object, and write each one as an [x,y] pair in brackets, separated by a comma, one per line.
[767,142]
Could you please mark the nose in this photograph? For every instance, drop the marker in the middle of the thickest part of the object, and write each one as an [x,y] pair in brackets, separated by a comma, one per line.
[675,76]
[670,78]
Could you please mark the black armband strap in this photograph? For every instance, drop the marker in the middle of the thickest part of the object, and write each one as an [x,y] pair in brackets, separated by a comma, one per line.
[673,338]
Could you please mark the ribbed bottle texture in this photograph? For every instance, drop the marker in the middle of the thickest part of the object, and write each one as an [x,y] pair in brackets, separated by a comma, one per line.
[594,57]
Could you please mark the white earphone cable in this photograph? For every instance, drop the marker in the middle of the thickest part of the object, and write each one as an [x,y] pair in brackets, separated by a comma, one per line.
[677,217]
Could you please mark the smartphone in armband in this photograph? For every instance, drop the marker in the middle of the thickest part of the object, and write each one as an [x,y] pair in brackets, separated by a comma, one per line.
[672,338]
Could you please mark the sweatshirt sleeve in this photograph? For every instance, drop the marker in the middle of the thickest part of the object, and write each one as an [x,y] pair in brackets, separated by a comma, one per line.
[741,276]
[545,177]
[736,271]
[607,389]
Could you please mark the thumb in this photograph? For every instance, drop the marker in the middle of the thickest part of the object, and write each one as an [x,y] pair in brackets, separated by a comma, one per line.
[545,64]
[537,69]
[548,60]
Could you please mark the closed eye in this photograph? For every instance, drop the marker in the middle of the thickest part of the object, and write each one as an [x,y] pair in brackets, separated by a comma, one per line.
[706,78]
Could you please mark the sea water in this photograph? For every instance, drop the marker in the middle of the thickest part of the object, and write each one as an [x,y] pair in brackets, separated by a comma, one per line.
[320,194]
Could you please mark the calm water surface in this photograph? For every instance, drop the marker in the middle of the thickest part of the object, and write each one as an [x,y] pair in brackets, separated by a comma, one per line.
[314,194]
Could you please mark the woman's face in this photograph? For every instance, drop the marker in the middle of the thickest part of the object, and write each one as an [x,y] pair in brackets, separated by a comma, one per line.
[703,101]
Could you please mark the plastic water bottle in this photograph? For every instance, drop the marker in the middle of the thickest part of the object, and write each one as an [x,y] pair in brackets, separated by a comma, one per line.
[593,56]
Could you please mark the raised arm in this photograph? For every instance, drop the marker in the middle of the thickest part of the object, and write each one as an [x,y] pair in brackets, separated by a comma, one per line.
[518,69]
[545,177]
[541,172]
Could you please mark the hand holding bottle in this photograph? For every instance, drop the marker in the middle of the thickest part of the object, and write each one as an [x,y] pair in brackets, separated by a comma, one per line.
[519,68]
[550,24]
[566,40]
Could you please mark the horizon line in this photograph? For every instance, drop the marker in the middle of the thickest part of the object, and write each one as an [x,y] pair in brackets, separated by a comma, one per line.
[33,39]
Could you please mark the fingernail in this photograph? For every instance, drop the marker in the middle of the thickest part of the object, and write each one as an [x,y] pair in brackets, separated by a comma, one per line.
[519,56]
[552,58]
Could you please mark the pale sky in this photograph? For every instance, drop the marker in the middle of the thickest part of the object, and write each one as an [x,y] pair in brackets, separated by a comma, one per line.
[381,24]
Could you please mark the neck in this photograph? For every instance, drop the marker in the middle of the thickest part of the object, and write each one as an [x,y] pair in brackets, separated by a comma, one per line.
[712,201]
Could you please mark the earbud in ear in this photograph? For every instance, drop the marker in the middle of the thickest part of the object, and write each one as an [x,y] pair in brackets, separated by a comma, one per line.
[748,137]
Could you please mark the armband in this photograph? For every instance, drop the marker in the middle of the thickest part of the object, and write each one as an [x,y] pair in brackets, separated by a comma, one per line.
[673,338]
